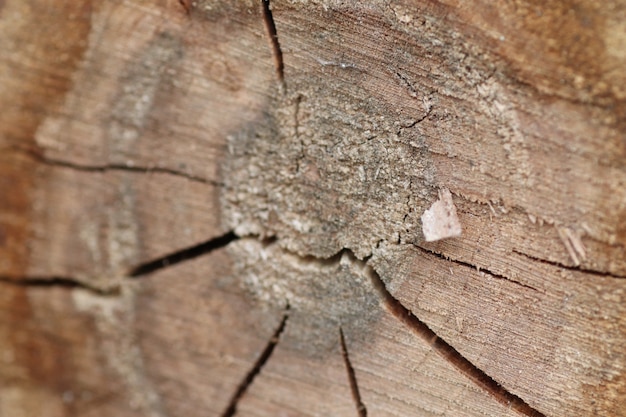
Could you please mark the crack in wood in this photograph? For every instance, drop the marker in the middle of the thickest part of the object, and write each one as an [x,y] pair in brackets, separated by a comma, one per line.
[415,122]
[407,84]
[421,329]
[354,387]
[270,26]
[187,5]
[469,265]
[59,282]
[231,409]
[116,167]
[183,255]
[449,353]
[569,268]
[403,314]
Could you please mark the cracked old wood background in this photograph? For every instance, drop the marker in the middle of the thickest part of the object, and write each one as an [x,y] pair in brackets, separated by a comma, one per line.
[213,208]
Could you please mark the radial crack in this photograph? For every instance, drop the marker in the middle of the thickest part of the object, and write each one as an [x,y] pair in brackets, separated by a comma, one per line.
[116,167]
[183,254]
[415,122]
[407,84]
[270,26]
[59,282]
[449,353]
[570,268]
[469,265]
[256,369]
[354,387]
[187,5]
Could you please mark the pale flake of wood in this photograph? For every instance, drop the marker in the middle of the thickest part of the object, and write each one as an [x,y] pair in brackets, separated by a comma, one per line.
[573,244]
[440,221]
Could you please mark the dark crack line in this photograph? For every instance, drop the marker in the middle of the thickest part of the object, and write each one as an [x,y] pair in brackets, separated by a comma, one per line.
[415,122]
[183,255]
[117,167]
[187,5]
[270,26]
[58,282]
[469,265]
[231,409]
[408,85]
[354,387]
[449,353]
[569,268]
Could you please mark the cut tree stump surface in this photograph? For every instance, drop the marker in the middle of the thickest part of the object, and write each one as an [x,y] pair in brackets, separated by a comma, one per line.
[214,208]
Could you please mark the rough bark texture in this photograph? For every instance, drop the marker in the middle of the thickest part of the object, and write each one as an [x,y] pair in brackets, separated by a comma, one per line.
[213,208]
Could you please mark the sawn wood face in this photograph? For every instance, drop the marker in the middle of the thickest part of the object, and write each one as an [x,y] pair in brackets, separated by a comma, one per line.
[214,208]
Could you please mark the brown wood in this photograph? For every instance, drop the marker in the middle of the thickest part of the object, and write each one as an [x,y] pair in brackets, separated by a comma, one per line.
[214,208]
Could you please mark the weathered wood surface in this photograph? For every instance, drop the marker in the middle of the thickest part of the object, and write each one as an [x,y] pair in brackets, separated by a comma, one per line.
[134,131]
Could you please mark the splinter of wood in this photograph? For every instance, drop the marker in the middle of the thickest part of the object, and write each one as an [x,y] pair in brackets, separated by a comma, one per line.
[440,221]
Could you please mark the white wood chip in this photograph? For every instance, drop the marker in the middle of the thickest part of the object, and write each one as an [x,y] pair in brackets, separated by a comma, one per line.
[440,221]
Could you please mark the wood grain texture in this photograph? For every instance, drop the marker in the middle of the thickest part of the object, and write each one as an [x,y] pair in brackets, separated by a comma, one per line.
[198,198]
[105,191]
[66,352]
[200,351]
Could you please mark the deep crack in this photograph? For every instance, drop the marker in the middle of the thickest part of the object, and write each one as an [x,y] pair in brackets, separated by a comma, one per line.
[270,26]
[187,5]
[324,293]
[569,268]
[403,314]
[449,353]
[183,255]
[59,282]
[469,265]
[231,409]
[354,387]
[117,167]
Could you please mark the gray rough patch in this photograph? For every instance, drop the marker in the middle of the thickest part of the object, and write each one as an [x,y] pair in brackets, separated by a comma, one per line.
[322,294]
[339,176]
[344,160]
